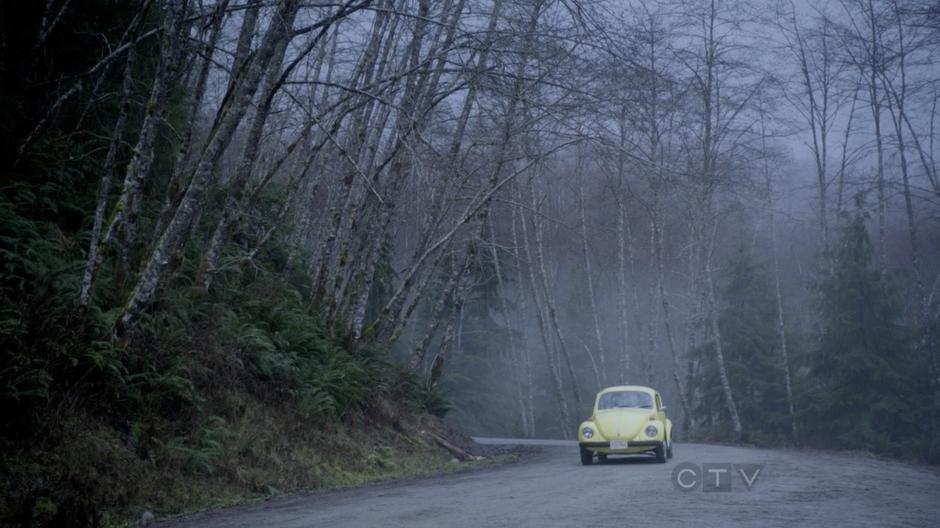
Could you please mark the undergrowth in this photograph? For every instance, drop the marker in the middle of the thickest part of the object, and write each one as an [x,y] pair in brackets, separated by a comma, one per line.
[239,390]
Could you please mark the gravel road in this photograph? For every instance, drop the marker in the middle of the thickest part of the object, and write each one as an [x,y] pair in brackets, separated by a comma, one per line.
[551,489]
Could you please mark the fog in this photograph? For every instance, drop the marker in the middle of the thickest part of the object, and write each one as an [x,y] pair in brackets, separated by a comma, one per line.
[636,152]
[525,201]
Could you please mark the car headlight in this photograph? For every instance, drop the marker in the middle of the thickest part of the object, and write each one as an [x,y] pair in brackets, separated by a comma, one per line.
[651,430]
[587,432]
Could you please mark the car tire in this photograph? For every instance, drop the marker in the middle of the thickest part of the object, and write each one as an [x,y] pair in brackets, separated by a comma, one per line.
[661,452]
[587,457]
[669,449]
[601,458]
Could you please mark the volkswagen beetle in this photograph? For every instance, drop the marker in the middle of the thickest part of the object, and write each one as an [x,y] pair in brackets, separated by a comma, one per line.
[627,420]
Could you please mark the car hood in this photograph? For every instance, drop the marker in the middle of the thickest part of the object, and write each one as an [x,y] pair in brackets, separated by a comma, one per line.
[621,423]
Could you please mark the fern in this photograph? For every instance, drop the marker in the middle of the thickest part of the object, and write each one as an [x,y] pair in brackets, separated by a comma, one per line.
[204,448]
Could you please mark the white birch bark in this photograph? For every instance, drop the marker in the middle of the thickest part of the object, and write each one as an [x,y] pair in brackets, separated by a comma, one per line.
[184,154]
[586,251]
[549,301]
[402,308]
[123,215]
[494,183]
[231,115]
[553,368]
[93,257]
[730,405]
[778,297]
[235,197]
[667,317]
[623,305]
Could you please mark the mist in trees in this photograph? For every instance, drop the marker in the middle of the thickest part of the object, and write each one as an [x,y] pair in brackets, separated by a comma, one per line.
[516,202]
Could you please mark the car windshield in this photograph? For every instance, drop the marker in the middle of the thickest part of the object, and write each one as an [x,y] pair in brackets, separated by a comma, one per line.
[638,399]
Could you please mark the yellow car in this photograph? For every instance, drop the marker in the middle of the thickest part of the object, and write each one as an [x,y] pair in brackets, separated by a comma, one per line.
[627,420]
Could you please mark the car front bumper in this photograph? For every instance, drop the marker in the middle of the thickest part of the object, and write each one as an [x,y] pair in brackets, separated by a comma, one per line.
[634,446]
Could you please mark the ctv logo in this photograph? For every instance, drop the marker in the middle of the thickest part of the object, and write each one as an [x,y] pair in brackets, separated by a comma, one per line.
[717,476]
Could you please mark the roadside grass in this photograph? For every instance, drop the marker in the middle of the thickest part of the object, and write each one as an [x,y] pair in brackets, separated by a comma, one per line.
[271,451]
[247,446]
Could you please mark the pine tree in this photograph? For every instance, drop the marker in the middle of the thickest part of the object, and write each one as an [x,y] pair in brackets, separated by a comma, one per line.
[747,322]
[868,386]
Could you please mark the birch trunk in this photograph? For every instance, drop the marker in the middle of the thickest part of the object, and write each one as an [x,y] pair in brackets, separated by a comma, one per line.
[436,371]
[524,346]
[510,338]
[875,104]
[621,254]
[778,297]
[356,215]
[716,337]
[93,258]
[553,368]
[124,212]
[328,256]
[549,301]
[696,321]
[631,253]
[401,307]
[231,115]
[235,196]
[653,323]
[453,280]
[602,378]
[408,123]
[184,154]
[667,322]
[423,92]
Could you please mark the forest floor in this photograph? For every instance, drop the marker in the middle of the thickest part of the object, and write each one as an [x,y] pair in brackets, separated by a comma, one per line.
[269,451]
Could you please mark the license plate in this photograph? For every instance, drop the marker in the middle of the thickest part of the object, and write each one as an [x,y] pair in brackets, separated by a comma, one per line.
[619,444]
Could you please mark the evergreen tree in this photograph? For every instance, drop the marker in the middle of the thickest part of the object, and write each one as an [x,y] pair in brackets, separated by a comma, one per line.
[754,367]
[868,381]
[478,380]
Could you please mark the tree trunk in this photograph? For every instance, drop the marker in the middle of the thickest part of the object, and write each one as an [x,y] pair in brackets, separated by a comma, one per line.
[553,368]
[774,255]
[599,341]
[524,346]
[875,103]
[667,323]
[235,196]
[401,307]
[184,154]
[93,259]
[453,280]
[653,323]
[437,364]
[514,352]
[124,212]
[486,195]
[549,301]
[326,255]
[622,307]
[716,337]
[231,115]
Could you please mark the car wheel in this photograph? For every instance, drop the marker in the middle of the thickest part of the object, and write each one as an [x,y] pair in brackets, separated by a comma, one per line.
[669,449]
[661,452]
[587,457]
[601,458]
